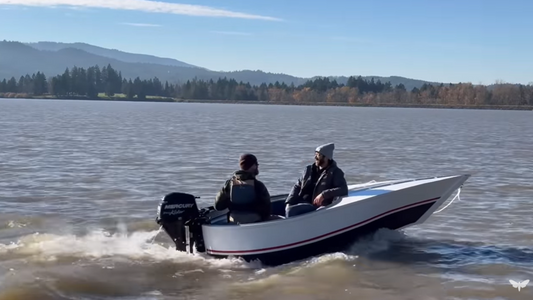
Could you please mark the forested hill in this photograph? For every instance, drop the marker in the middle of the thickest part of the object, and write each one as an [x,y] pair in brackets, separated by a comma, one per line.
[18,59]
[111,53]
[92,82]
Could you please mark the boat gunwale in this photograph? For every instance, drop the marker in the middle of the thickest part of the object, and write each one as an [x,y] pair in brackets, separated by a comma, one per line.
[332,208]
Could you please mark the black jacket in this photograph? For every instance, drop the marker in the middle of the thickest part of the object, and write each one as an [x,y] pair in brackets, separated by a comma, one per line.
[330,182]
[262,203]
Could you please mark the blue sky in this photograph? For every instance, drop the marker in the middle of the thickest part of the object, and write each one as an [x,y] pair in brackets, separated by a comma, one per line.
[478,41]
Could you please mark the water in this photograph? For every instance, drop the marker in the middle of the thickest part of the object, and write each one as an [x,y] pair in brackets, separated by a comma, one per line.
[80,182]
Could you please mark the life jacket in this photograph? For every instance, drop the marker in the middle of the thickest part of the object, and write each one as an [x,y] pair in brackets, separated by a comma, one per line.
[243,199]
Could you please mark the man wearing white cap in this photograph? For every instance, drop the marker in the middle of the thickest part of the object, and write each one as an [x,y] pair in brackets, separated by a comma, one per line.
[320,182]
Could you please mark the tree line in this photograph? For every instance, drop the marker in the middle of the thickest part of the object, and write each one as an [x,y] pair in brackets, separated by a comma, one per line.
[90,82]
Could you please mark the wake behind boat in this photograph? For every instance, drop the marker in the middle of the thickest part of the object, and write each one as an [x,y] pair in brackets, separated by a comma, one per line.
[394,204]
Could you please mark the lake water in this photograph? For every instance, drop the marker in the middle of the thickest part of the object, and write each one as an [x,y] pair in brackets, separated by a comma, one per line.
[80,182]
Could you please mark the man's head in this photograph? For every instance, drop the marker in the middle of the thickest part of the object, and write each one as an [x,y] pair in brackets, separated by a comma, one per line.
[248,162]
[323,154]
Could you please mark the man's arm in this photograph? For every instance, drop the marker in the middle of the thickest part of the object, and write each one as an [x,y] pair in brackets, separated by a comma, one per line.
[264,203]
[296,188]
[222,197]
[340,187]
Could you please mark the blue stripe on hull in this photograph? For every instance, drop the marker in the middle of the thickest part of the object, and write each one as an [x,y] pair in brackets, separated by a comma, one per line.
[371,192]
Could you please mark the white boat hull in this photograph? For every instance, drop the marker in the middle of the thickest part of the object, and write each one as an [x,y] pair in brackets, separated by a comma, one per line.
[367,208]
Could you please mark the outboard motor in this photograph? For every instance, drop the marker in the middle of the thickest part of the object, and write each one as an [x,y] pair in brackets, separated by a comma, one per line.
[179,216]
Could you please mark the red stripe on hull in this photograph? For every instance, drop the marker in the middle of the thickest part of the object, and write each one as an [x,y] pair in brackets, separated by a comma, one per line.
[233,252]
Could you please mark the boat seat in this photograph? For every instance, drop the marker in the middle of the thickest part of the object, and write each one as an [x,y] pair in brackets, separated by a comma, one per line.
[275,217]
[231,221]
[299,209]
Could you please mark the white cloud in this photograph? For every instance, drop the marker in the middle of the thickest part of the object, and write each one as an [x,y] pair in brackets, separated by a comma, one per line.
[142,5]
[81,8]
[231,33]
[141,24]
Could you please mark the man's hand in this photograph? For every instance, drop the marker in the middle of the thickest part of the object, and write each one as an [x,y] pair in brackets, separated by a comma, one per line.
[318,200]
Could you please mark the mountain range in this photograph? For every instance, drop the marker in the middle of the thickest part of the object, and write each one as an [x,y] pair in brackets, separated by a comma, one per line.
[52,58]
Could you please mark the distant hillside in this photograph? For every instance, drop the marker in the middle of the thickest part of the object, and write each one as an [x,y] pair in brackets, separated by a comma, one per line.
[111,53]
[18,59]
[394,80]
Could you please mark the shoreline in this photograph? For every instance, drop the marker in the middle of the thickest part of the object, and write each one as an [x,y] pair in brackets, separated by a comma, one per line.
[175,100]
[384,105]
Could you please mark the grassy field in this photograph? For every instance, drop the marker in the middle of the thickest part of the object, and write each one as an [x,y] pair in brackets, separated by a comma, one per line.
[123,96]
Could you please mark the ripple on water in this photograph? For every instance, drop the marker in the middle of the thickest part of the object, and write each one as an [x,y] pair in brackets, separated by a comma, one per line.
[73,170]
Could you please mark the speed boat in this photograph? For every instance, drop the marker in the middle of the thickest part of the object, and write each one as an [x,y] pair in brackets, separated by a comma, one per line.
[394,204]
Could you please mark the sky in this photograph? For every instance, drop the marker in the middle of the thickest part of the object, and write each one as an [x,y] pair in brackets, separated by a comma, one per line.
[477,41]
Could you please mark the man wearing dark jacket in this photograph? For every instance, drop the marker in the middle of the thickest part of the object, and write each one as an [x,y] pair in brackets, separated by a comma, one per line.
[247,198]
[320,182]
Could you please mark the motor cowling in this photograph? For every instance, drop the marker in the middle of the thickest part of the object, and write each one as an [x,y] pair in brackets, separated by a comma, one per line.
[178,215]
